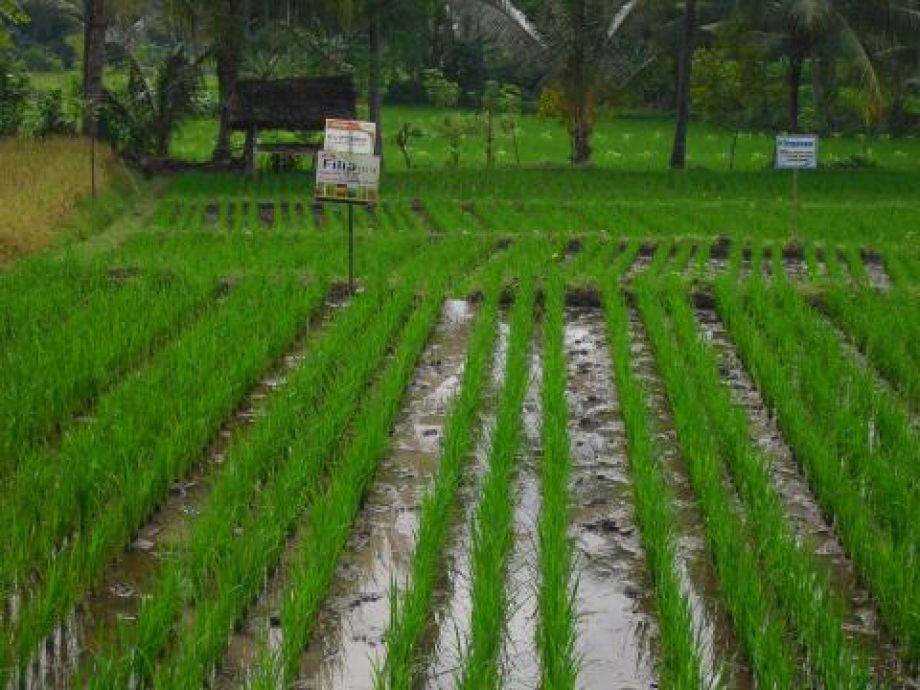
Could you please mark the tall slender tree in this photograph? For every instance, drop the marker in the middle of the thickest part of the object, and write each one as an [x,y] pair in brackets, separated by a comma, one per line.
[576,45]
[94,28]
[684,76]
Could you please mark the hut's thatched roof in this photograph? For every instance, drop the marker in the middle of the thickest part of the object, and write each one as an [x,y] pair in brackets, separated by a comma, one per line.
[294,104]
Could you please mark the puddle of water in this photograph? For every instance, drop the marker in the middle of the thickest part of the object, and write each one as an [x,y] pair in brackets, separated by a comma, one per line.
[717,641]
[348,638]
[617,636]
[813,531]
[453,605]
[520,663]
[794,262]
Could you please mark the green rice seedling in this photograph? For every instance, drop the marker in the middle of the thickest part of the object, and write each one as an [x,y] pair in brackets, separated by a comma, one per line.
[679,662]
[886,328]
[492,527]
[883,459]
[214,550]
[411,607]
[884,565]
[703,254]
[36,291]
[330,517]
[97,504]
[748,601]
[857,268]
[556,629]
[802,589]
[51,375]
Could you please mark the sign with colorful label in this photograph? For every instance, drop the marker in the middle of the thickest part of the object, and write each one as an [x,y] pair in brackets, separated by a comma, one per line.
[798,152]
[350,136]
[347,177]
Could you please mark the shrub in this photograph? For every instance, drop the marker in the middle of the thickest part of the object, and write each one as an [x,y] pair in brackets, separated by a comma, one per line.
[14,93]
[46,116]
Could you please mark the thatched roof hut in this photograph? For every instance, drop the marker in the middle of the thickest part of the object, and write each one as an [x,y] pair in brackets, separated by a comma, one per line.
[300,104]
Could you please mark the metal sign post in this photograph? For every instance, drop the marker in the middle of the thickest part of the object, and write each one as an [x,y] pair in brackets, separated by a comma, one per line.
[347,172]
[796,153]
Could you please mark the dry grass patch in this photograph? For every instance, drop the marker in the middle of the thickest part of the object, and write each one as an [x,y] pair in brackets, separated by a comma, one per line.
[40,185]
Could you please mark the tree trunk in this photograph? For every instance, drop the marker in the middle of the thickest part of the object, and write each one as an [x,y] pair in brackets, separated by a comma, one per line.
[228,55]
[684,73]
[373,82]
[794,82]
[581,138]
[822,105]
[93,62]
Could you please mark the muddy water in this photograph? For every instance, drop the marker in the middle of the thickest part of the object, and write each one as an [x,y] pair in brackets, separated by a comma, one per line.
[348,639]
[451,624]
[617,636]
[794,263]
[720,649]
[875,268]
[812,530]
[642,260]
[520,663]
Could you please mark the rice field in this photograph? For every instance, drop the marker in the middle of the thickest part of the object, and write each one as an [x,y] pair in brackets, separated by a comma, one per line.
[618,431]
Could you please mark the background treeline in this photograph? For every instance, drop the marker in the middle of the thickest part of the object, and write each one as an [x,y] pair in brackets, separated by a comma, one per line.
[140,67]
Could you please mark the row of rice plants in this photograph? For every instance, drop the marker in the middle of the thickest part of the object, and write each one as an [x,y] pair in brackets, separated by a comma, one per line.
[801,589]
[36,291]
[679,662]
[879,441]
[272,475]
[330,518]
[556,628]
[827,445]
[72,508]
[745,595]
[50,374]
[412,607]
[492,533]
[887,330]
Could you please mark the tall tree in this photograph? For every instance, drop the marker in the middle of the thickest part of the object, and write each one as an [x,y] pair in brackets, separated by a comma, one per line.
[684,76]
[94,27]
[800,30]
[576,45]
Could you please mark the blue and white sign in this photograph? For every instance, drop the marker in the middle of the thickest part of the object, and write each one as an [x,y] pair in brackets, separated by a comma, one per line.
[798,152]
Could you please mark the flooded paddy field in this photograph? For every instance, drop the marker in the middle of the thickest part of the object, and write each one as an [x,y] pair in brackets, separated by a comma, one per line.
[510,458]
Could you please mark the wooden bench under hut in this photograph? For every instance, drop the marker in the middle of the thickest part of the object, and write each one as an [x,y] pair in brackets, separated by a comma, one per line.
[295,105]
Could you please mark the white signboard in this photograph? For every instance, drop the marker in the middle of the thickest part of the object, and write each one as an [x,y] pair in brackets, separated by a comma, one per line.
[798,152]
[350,136]
[347,177]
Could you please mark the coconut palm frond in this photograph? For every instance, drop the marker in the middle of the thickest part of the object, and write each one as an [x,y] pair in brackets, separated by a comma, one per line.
[908,17]
[851,46]
[501,21]
[620,17]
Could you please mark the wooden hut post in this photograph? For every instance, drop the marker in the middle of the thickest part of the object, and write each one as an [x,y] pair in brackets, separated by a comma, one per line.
[252,152]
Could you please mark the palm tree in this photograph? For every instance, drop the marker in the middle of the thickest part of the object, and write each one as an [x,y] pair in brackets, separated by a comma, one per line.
[11,13]
[811,29]
[575,45]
